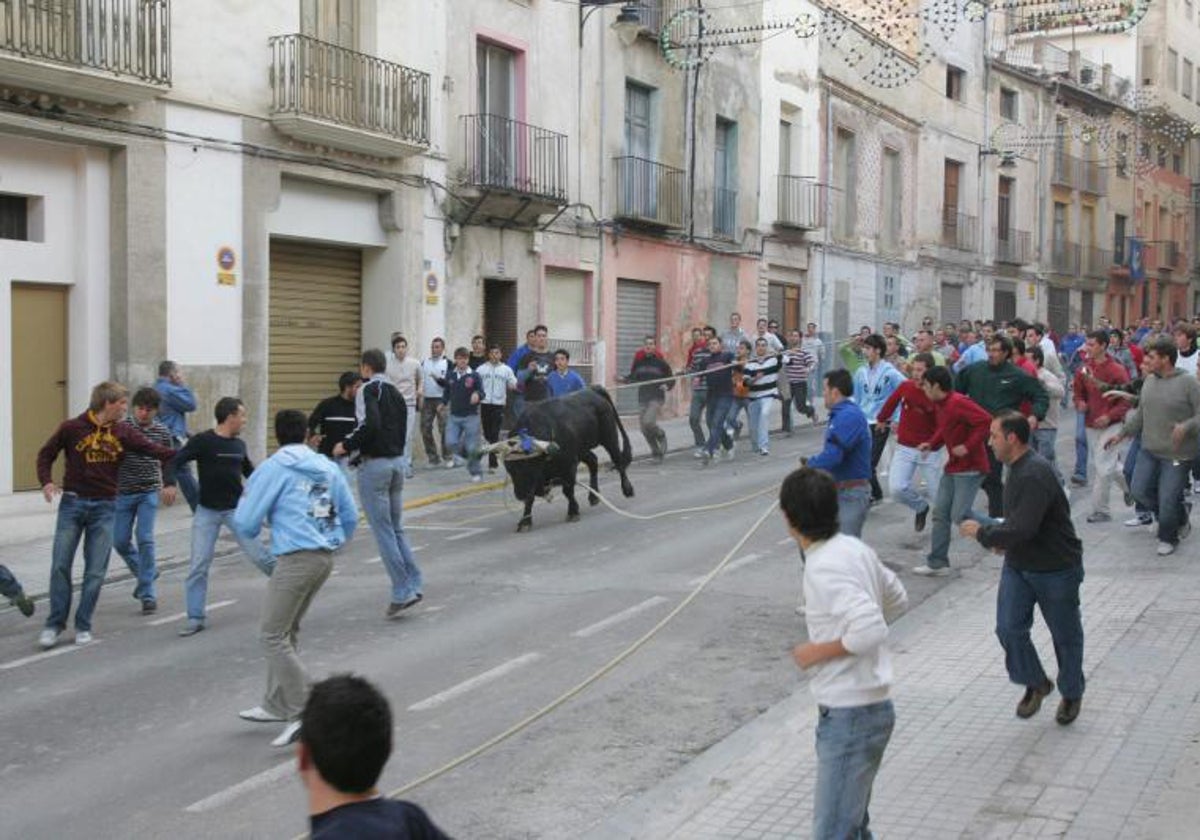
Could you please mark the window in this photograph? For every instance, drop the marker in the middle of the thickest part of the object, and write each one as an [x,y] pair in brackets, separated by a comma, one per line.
[1122,162]
[14,217]
[845,178]
[1008,104]
[1119,223]
[786,134]
[332,21]
[951,178]
[638,123]
[954,83]
[1162,156]
[891,191]
[497,80]
[725,178]
[1189,71]
[1177,163]
[1058,234]
[1149,57]
[1172,70]
[1004,208]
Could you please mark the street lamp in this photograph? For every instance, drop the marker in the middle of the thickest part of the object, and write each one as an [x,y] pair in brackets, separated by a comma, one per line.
[628,22]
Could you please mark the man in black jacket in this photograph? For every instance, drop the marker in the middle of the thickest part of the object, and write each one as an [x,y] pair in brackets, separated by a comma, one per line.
[650,367]
[333,418]
[379,440]
[1043,567]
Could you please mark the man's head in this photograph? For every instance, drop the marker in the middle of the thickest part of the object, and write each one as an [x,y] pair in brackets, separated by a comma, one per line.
[710,332]
[927,323]
[1009,436]
[838,386]
[1161,355]
[230,414]
[399,346]
[808,499]
[494,353]
[773,325]
[811,328]
[999,350]
[924,342]
[437,347]
[477,345]
[874,346]
[888,329]
[714,344]
[892,346]
[1096,344]
[109,402]
[937,383]
[988,330]
[1035,354]
[561,359]
[919,364]
[761,326]
[1074,328]
[1156,324]
[372,362]
[541,337]
[345,735]
[461,357]
[145,405]
[168,369]
[291,426]
[793,338]
[1115,339]
[1185,338]
[761,347]
[697,334]
[735,320]
[530,337]
[744,349]
[649,344]
[348,384]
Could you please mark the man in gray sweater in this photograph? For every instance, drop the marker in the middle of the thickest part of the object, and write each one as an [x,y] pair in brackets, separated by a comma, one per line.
[1168,418]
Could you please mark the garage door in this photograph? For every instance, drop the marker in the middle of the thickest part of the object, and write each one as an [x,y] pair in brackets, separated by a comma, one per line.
[1059,310]
[952,304]
[315,313]
[637,317]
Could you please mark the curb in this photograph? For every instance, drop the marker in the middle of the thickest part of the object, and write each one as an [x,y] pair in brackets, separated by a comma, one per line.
[450,495]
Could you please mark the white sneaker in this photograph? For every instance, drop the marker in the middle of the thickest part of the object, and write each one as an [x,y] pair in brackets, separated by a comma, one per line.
[1165,548]
[929,571]
[289,735]
[260,715]
[475,479]
[727,454]
[1139,519]
[48,638]
[700,453]
[83,637]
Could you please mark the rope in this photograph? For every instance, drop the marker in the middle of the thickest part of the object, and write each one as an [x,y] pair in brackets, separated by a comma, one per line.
[701,509]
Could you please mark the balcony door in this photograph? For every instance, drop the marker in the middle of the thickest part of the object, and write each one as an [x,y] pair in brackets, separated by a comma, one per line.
[1058,238]
[950,183]
[639,178]
[725,178]
[332,21]
[497,96]
[332,87]
[1004,237]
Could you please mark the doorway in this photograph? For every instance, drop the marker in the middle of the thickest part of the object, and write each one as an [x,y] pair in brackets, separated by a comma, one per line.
[39,374]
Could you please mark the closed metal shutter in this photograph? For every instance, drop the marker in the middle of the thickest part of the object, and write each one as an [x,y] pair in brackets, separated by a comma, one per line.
[500,315]
[1004,303]
[1086,305]
[952,305]
[315,315]
[637,317]
[1059,311]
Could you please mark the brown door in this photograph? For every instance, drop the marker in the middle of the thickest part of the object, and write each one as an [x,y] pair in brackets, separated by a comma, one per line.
[39,375]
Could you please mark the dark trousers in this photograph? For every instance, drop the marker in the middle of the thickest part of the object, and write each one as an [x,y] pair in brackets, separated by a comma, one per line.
[9,587]
[993,485]
[1056,594]
[879,437]
[433,408]
[799,400]
[492,417]
[695,413]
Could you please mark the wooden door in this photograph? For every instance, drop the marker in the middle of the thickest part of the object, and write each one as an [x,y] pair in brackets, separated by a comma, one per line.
[39,375]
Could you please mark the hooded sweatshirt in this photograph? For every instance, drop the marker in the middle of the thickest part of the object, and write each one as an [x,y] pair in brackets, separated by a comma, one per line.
[94,452]
[304,496]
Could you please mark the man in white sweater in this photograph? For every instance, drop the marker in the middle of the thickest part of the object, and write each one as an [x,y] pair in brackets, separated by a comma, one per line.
[850,597]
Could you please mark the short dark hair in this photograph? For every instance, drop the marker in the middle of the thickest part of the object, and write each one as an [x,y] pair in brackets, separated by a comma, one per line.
[375,360]
[225,407]
[146,398]
[1164,348]
[1038,327]
[877,341]
[1099,336]
[347,379]
[537,328]
[476,337]
[397,338]
[462,353]
[1014,423]
[347,726]
[840,380]
[1039,356]
[291,426]
[808,499]
[939,375]
[1119,335]
[166,367]
[925,359]
[563,352]
[1005,344]
[1018,344]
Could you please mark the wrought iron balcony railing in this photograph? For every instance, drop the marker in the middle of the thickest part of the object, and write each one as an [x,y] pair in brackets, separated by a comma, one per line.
[506,154]
[1083,175]
[1013,247]
[959,230]
[649,192]
[1095,262]
[801,203]
[724,212]
[655,14]
[1064,257]
[129,38]
[1170,255]
[322,81]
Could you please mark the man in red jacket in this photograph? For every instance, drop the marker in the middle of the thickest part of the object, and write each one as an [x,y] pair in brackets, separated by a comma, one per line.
[1102,418]
[962,426]
[918,424]
[94,444]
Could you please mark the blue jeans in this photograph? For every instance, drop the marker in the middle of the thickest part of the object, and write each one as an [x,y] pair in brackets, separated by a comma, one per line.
[381,484]
[1081,447]
[92,521]
[1044,442]
[956,493]
[850,745]
[142,509]
[720,411]
[759,412]
[1158,484]
[1131,459]
[10,587]
[462,438]
[206,526]
[186,482]
[1056,594]
[853,504]
[907,461]
[695,412]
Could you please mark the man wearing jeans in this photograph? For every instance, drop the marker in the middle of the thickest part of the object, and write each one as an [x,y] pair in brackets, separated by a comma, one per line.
[379,440]
[874,382]
[1043,568]
[718,379]
[918,425]
[962,426]
[405,374]
[463,388]
[223,462]
[847,452]
[1103,417]
[177,401]
[94,444]
[850,598]
[697,363]
[308,503]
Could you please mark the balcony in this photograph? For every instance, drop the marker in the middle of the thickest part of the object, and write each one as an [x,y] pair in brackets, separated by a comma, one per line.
[1170,255]
[1078,174]
[111,52]
[1096,263]
[649,193]
[331,96]
[1014,247]
[724,212]
[655,14]
[959,230]
[801,203]
[1064,258]
[514,172]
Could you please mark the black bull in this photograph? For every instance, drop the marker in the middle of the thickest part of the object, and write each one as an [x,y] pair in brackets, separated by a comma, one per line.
[576,423]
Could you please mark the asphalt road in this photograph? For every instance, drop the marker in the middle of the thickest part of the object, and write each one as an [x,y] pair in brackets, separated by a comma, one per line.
[137,735]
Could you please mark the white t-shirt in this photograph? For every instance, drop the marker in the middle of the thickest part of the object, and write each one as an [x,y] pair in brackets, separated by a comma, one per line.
[496,379]
[1187,363]
[431,368]
[403,374]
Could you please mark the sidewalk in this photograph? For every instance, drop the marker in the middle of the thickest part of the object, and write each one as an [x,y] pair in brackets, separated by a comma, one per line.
[27,522]
[960,763]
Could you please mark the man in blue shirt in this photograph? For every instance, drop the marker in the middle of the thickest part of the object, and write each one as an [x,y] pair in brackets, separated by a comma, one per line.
[874,382]
[562,380]
[847,452]
[464,392]
[177,399]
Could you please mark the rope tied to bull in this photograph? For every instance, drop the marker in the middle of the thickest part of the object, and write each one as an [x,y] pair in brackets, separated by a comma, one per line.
[520,446]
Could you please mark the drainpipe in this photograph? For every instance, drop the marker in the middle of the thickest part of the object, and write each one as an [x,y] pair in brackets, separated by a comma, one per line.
[828,202]
[599,355]
[984,175]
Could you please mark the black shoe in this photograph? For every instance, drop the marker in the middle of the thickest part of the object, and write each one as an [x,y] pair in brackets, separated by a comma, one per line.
[1032,701]
[25,604]
[149,606]
[1068,710]
[394,609]
[919,519]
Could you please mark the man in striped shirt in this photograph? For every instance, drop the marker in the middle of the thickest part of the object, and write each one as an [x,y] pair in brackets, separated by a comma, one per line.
[762,372]
[139,481]
[799,365]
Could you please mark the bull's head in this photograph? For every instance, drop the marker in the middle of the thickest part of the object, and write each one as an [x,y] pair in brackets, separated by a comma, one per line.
[528,477]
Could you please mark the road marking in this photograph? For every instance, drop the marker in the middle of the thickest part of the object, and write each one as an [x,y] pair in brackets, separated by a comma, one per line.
[785,541]
[475,682]
[38,657]
[623,615]
[177,616]
[734,566]
[465,532]
[224,797]
[469,532]
[371,560]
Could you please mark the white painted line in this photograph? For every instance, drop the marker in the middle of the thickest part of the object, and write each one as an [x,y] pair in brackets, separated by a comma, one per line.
[785,541]
[475,682]
[624,615]
[224,797]
[469,532]
[177,616]
[38,657]
[371,560]
[734,566]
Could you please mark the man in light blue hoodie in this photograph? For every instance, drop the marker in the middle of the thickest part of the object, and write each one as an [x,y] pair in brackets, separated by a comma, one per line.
[874,382]
[306,500]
